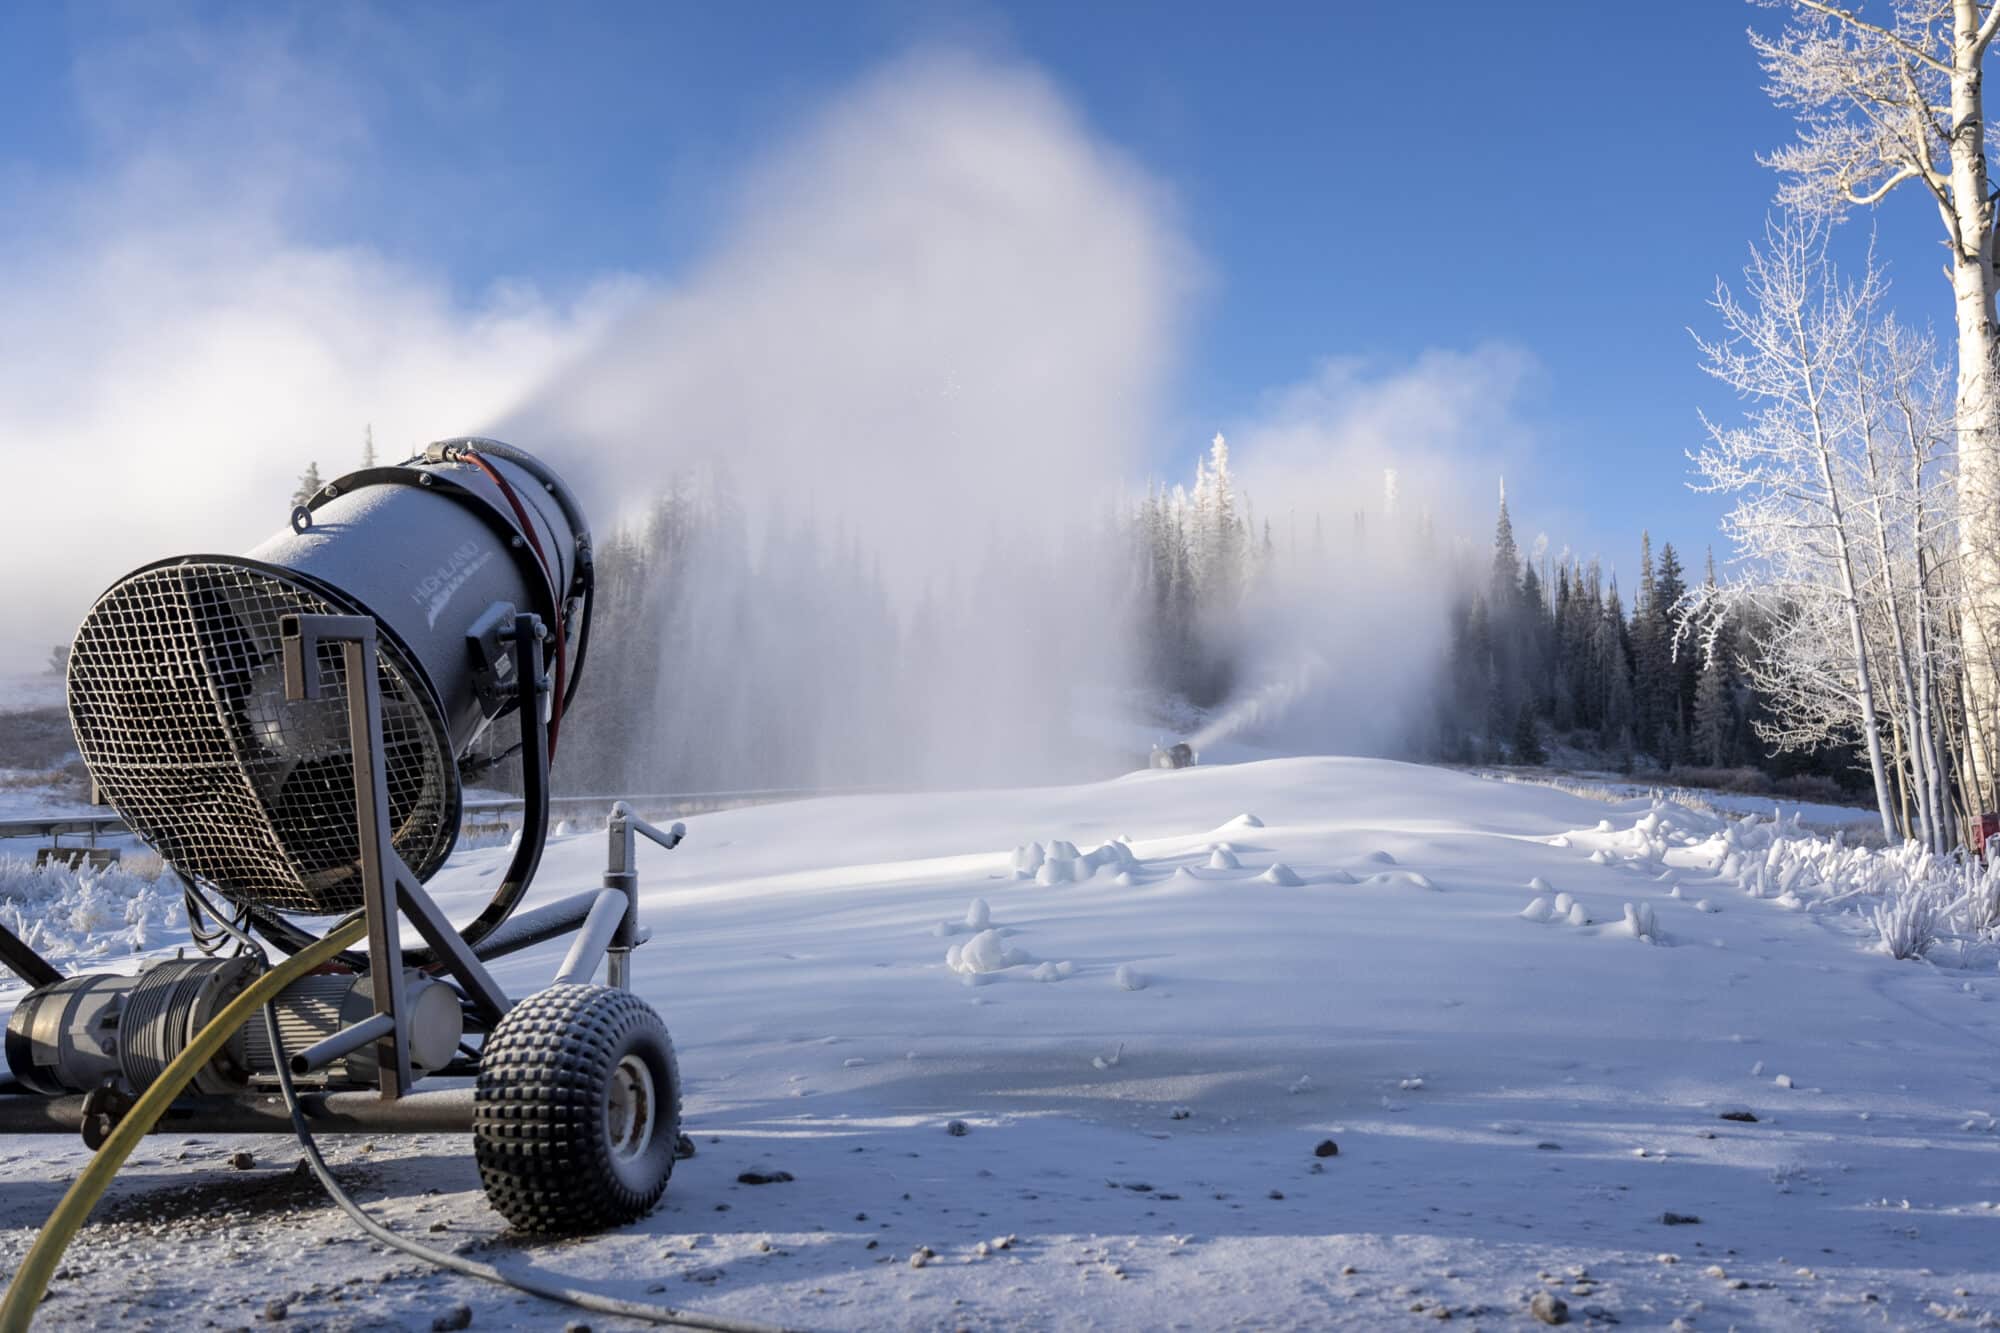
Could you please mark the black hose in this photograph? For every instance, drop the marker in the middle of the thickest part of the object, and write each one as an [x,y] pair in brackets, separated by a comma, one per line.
[528,1282]
[587,572]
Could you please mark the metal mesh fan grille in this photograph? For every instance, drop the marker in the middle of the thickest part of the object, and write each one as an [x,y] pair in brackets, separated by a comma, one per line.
[177,695]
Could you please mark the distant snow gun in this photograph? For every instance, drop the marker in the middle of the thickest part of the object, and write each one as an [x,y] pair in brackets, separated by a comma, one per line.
[1178,755]
[286,728]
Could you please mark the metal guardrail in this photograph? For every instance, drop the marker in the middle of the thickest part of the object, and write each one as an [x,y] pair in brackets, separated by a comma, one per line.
[54,827]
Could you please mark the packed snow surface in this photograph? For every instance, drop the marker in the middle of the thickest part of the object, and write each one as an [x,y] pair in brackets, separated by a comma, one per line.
[1300,1043]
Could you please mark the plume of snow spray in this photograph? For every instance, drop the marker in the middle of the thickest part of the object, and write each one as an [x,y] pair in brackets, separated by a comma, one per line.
[937,327]
[1262,707]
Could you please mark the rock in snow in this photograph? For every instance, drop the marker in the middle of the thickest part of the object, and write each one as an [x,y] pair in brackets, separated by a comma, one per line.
[1549,1308]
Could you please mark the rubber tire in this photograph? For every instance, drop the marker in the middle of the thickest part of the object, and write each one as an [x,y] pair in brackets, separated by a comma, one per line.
[538,1119]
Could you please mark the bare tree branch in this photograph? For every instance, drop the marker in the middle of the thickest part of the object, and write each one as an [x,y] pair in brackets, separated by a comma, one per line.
[1849,17]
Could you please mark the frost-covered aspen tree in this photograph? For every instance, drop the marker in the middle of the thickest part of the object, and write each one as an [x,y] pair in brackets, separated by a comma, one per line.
[1908,429]
[1789,346]
[1884,98]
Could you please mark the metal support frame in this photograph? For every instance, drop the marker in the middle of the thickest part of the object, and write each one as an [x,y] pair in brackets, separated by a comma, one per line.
[389,889]
[21,958]
[606,921]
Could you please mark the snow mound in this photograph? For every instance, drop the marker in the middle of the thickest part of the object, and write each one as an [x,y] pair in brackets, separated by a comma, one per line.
[1391,878]
[1380,858]
[1245,820]
[1639,924]
[1539,885]
[1282,874]
[1028,860]
[1124,879]
[1055,870]
[1113,853]
[985,952]
[1564,908]
[978,916]
[1223,859]
[1052,971]
[1129,977]
[1340,877]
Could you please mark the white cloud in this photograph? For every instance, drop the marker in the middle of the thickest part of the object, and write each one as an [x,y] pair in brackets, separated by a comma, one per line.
[178,347]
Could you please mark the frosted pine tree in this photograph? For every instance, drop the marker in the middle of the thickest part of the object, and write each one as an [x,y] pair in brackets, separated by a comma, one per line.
[309,483]
[1714,714]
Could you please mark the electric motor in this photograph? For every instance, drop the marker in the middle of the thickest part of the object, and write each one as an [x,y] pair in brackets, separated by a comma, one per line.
[102,1029]
[314,1008]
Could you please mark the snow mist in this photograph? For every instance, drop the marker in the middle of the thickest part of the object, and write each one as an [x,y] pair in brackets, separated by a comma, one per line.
[1377,492]
[912,382]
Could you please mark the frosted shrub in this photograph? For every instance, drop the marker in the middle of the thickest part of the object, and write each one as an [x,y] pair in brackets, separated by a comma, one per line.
[1907,921]
[1980,903]
[68,914]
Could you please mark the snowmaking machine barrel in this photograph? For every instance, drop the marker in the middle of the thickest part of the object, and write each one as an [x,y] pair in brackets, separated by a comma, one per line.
[177,692]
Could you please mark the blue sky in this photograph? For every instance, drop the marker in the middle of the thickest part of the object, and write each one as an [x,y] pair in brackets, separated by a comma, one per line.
[1563,180]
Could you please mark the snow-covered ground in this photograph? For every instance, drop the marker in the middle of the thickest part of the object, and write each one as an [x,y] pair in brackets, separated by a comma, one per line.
[1149,1048]
[1820,815]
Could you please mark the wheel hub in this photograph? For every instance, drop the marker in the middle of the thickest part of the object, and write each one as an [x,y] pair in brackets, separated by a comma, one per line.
[629,1110]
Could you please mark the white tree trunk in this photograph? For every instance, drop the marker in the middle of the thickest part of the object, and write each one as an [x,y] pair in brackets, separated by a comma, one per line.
[1850,601]
[1969,221]
[1864,685]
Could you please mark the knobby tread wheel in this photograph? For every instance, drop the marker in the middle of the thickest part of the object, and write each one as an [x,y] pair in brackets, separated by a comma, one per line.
[577,1110]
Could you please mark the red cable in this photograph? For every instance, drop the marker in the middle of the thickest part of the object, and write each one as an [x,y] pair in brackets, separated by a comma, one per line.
[548,572]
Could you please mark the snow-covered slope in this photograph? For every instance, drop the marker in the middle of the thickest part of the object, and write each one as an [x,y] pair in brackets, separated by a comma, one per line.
[1150,1046]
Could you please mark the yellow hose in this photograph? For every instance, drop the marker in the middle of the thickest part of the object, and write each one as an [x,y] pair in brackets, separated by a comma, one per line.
[31,1281]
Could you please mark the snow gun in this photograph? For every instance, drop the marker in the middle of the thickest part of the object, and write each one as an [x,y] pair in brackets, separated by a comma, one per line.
[287,730]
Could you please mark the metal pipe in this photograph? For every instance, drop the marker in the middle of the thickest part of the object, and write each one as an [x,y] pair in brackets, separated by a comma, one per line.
[360,1111]
[344,1042]
[599,928]
[24,962]
[531,928]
